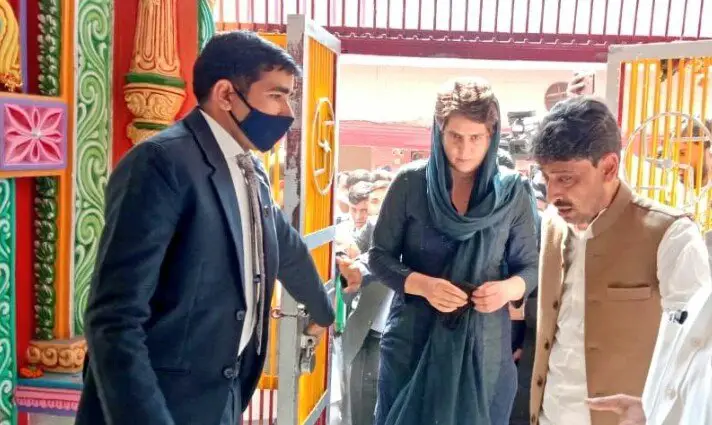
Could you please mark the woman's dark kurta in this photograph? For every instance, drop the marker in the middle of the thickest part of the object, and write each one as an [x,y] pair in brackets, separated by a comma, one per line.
[405,240]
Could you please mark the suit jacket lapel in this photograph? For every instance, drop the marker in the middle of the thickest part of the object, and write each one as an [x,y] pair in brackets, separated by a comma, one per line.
[220,178]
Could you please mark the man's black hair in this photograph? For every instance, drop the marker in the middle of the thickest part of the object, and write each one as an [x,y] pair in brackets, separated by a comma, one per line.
[238,56]
[381,174]
[359,192]
[578,128]
[505,159]
[359,175]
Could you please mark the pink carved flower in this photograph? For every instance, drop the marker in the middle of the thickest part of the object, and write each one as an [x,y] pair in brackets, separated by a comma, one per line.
[33,135]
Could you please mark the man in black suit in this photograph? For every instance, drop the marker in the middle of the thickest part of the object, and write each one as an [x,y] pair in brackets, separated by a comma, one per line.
[177,318]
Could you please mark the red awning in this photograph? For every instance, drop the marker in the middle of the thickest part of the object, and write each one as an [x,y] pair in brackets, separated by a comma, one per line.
[366,133]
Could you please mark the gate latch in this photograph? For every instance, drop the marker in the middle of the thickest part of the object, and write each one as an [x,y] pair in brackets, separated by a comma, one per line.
[307,354]
[307,343]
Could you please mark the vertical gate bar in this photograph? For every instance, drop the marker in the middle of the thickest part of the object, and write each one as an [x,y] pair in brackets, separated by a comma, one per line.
[652,15]
[496,17]
[467,14]
[343,13]
[358,14]
[684,18]
[667,18]
[511,18]
[312,11]
[449,18]
[541,18]
[643,133]
[699,21]
[605,17]
[374,13]
[678,126]
[705,88]
[573,30]
[690,144]
[237,14]
[479,24]
[620,17]
[667,148]
[251,14]
[281,12]
[653,180]
[267,21]
[435,15]
[558,17]
[635,17]
[388,16]
[287,407]
[404,15]
[632,110]
[328,13]
[526,25]
[590,16]
[420,14]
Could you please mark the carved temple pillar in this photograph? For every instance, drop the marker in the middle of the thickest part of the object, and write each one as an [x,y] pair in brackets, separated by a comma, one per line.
[155,90]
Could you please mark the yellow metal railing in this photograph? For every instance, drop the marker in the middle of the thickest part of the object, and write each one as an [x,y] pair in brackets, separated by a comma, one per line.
[320,71]
[663,100]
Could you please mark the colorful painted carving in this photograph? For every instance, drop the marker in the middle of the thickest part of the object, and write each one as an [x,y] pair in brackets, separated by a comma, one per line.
[45,250]
[60,356]
[10,73]
[32,134]
[93,141]
[155,90]
[206,22]
[8,358]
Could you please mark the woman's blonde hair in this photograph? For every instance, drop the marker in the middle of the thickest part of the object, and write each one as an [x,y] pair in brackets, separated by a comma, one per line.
[471,97]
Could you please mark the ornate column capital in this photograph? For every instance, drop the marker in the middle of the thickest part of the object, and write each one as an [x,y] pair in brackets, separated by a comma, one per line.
[154,90]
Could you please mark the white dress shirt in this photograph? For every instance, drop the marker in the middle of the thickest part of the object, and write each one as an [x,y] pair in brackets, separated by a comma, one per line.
[678,390]
[231,149]
[682,268]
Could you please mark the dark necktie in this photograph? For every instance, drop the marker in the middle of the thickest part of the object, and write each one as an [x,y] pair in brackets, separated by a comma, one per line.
[246,164]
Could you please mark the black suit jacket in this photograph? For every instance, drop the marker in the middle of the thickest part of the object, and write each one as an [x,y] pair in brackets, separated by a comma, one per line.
[166,305]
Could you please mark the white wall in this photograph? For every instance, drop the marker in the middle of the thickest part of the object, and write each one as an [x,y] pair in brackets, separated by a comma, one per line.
[373,91]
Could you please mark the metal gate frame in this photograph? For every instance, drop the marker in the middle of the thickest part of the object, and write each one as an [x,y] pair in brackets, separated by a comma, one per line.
[618,57]
[296,178]
[617,54]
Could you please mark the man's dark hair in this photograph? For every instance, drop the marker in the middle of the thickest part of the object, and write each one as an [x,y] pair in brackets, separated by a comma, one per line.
[380,184]
[381,174]
[575,129]
[356,176]
[238,56]
[359,192]
[505,159]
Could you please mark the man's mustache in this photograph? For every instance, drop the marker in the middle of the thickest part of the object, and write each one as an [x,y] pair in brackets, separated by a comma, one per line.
[563,204]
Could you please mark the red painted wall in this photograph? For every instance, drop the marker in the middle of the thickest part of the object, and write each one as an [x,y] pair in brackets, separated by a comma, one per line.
[124,29]
[187,12]
[24,255]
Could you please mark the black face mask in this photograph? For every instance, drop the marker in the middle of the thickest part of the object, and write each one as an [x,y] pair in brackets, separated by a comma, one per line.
[263,130]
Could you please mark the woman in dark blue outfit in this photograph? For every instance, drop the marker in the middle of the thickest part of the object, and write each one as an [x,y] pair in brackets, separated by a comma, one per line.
[456,241]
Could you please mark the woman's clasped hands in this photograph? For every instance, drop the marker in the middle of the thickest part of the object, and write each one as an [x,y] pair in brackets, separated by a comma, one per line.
[446,297]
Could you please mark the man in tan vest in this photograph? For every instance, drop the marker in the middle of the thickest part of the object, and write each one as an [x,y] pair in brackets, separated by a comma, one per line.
[611,261]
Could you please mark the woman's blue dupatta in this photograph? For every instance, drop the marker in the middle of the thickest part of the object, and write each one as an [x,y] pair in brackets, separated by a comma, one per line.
[452,383]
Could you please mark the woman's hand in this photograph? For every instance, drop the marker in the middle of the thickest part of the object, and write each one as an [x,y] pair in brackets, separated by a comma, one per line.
[441,294]
[492,296]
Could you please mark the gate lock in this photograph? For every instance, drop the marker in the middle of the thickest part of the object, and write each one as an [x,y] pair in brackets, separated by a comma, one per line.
[307,343]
